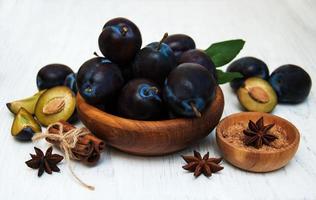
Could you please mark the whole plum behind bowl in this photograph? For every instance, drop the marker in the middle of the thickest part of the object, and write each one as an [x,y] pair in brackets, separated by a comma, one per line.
[52,75]
[150,137]
[199,57]
[248,67]
[179,43]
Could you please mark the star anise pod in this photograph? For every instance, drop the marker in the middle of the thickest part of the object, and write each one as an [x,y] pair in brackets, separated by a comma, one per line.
[47,162]
[200,165]
[257,134]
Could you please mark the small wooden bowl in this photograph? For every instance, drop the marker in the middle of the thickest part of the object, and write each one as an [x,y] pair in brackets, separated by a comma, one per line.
[150,137]
[257,161]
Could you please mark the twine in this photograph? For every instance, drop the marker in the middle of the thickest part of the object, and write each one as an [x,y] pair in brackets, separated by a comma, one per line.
[66,142]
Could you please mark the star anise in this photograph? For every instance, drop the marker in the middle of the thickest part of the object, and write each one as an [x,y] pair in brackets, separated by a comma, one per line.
[200,165]
[257,134]
[47,162]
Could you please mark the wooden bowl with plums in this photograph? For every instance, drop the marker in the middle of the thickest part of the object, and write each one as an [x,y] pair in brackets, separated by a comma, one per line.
[150,137]
[150,100]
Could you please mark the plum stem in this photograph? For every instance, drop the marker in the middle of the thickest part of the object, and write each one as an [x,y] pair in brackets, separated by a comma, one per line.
[124,30]
[153,89]
[195,110]
[96,54]
[162,40]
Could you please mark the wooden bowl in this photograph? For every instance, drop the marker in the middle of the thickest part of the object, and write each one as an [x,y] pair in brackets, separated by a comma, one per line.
[252,160]
[150,137]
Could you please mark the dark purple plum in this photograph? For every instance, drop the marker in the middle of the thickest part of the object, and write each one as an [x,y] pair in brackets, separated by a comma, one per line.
[154,62]
[74,118]
[291,83]
[71,82]
[199,57]
[52,75]
[188,89]
[127,72]
[140,99]
[180,43]
[120,40]
[98,80]
[248,67]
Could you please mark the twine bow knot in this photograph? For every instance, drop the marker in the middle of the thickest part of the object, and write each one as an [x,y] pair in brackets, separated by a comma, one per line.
[66,142]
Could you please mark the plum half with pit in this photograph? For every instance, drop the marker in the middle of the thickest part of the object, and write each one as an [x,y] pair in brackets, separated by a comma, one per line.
[248,67]
[199,57]
[55,104]
[291,83]
[188,89]
[98,80]
[179,43]
[52,75]
[257,94]
[120,40]
[155,61]
[140,99]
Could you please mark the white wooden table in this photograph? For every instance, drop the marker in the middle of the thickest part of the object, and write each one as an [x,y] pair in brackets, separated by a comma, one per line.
[39,32]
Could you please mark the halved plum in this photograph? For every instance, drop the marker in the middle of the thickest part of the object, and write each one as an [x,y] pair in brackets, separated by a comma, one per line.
[248,67]
[57,103]
[24,126]
[27,103]
[258,95]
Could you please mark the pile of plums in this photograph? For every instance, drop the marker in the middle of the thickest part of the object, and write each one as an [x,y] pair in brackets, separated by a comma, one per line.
[55,101]
[169,78]
[260,91]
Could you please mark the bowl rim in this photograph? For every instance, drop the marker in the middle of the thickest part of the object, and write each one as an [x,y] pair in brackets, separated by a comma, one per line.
[218,96]
[293,144]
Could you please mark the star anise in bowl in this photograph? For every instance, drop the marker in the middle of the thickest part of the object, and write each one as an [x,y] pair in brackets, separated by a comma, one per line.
[258,134]
[47,162]
[199,165]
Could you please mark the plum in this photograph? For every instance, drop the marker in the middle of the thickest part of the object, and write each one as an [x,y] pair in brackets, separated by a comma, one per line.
[55,104]
[98,80]
[120,40]
[199,57]
[71,82]
[248,67]
[291,83]
[179,43]
[188,89]
[140,99]
[52,75]
[24,126]
[27,103]
[256,94]
[155,61]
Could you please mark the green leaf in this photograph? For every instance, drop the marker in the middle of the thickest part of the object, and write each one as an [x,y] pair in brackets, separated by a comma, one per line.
[225,77]
[222,53]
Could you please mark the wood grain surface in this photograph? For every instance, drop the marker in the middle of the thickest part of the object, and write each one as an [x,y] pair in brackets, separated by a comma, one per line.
[38,32]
